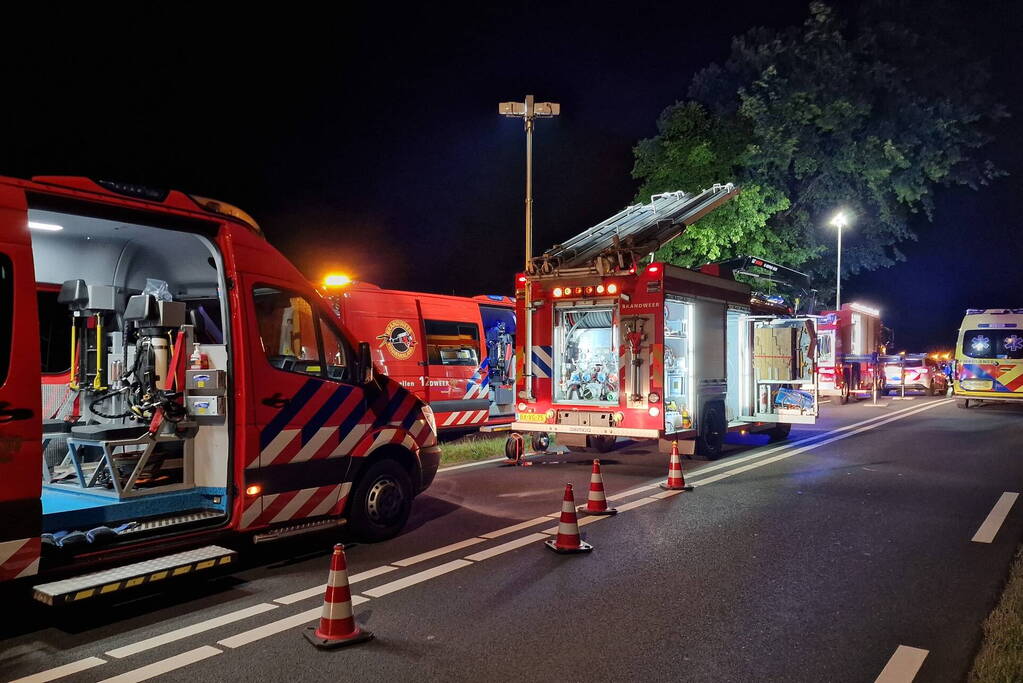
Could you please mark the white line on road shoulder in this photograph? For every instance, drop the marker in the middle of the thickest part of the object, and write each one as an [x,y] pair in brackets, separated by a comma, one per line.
[442,470]
[505,547]
[185,632]
[903,665]
[412,580]
[144,673]
[516,527]
[61,671]
[987,531]
[321,589]
[437,552]
[253,634]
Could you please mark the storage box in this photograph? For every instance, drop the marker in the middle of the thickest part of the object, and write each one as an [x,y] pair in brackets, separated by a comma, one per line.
[205,406]
[204,379]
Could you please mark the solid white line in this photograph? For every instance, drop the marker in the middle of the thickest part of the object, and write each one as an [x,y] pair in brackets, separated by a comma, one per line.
[144,673]
[452,468]
[429,555]
[412,580]
[667,494]
[321,589]
[516,527]
[253,634]
[61,671]
[635,504]
[903,665]
[987,531]
[185,632]
[505,547]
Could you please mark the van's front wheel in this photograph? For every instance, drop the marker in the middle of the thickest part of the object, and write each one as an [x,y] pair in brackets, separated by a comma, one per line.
[382,501]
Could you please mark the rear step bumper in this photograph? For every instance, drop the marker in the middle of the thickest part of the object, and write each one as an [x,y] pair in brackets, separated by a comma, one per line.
[156,570]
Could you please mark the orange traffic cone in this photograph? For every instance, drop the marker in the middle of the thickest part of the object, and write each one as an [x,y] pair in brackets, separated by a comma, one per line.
[568,528]
[337,625]
[596,503]
[676,482]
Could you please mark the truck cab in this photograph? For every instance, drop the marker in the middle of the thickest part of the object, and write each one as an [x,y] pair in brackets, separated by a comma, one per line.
[167,377]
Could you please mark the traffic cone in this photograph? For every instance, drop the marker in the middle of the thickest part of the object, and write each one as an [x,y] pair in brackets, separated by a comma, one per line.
[596,503]
[337,625]
[568,528]
[676,482]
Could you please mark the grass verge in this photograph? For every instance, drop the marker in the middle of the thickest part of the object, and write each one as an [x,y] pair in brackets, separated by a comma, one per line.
[471,448]
[1001,653]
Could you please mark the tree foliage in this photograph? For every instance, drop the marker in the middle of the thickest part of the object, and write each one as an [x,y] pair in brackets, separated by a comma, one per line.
[812,119]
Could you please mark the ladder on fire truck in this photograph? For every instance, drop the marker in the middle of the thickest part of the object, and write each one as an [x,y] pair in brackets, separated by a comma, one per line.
[620,241]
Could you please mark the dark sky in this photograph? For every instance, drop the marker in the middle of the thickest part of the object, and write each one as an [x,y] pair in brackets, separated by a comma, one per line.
[368,140]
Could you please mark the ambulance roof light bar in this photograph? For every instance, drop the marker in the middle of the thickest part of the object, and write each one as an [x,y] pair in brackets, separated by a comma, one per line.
[635,231]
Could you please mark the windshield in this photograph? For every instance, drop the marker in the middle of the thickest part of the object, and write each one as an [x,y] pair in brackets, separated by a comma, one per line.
[993,344]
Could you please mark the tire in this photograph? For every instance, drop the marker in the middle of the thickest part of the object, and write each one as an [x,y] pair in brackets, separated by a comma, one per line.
[962,403]
[541,442]
[711,439]
[382,501]
[931,389]
[511,448]
[779,432]
[843,397]
[602,443]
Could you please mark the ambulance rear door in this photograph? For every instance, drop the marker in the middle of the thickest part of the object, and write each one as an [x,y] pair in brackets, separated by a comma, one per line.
[779,381]
[20,394]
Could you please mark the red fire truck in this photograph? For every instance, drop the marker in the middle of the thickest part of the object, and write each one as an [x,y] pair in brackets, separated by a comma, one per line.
[612,348]
[850,342]
[205,388]
[454,353]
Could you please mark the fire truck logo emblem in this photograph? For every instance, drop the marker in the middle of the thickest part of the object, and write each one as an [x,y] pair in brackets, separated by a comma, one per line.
[399,339]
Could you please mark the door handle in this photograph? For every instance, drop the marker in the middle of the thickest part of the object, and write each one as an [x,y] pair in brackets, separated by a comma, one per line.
[276,401]
[12,414]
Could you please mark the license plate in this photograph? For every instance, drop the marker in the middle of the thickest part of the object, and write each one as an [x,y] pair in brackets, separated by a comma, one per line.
[531,417]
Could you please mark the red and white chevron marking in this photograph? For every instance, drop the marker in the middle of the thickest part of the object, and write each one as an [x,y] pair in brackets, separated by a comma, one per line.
[275,508]
[19,558]
[461,418]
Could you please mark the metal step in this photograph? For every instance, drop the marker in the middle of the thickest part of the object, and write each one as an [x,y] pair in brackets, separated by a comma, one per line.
[164,522]
[296,529]
[156,570]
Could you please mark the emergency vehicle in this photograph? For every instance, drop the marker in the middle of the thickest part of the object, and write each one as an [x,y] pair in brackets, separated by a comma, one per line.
[455,353]
[204,388]
[989,357]
[850,342]
[612,348]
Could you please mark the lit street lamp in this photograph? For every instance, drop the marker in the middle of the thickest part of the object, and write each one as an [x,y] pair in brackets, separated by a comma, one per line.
[839,221]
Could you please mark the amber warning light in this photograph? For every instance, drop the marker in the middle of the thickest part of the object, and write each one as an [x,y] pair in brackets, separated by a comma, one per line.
[336,280]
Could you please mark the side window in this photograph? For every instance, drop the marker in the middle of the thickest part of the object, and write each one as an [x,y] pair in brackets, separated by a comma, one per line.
[287,330]
[335,352]
[452,343]
[6,314]
[54,334]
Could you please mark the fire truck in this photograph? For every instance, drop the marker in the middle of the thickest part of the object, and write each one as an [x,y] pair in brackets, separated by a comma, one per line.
[612,347]
[194,385]
[850,344]
[454,353]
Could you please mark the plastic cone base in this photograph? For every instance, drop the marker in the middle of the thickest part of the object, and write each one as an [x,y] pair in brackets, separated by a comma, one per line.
[584,547]
[360,636]
[583,511]
[664,485]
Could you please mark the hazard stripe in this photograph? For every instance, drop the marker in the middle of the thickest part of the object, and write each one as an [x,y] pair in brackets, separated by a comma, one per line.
[285,415]
[19,558]
[325,412]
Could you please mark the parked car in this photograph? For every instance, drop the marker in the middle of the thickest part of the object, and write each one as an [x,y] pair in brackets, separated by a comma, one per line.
[921,374]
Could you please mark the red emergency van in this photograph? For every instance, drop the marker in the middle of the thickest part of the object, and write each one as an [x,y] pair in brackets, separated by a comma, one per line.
[455,353]
[850,342]
[204,388]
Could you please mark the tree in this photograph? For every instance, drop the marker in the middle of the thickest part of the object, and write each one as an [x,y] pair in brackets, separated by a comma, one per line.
[811,119]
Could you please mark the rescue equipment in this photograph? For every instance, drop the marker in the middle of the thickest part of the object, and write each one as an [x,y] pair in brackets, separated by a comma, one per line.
[337,624]
[596,502]
[568,540]
[676,481]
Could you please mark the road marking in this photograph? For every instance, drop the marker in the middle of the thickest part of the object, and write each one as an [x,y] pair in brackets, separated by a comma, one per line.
[903,665]
[274,627]
[590,519]
[987,531]
[322,588]
[635,504]
[505,547]
[667,494]
[470,464]
[516,527]
[412,580]
[185,632]
[144,673]
[61,671]
[429,555]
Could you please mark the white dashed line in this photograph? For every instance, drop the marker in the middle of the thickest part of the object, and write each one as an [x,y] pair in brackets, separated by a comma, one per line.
[185,632]
[437,552]
[412,580]
[903,665]
[989,529]
[61,671]
[505,547]
[516,527]
[144,673]
[322,588]
[274,627]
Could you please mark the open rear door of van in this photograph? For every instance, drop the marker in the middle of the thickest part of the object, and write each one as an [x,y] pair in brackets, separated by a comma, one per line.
[779,382]
[20,399]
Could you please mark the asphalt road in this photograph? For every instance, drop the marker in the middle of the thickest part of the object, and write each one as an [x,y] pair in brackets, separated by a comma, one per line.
[845,549]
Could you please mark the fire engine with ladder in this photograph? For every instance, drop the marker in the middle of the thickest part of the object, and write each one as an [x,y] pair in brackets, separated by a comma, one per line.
[612,347]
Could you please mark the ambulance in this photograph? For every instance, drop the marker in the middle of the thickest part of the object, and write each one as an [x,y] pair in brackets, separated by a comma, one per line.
[455,353]
[850,342]
[615,347]
[989,357]
[168,379]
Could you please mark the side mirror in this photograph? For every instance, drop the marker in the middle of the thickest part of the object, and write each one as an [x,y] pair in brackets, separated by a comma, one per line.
[365,364]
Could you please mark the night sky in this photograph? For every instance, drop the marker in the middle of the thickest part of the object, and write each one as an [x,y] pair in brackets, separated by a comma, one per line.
[368,140]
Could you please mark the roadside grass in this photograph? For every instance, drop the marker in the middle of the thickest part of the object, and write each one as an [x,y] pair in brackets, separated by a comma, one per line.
[1001,653]
[471,448]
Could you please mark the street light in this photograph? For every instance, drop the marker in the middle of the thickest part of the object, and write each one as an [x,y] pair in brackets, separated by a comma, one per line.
[528,111]
[839,221]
